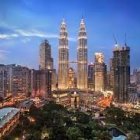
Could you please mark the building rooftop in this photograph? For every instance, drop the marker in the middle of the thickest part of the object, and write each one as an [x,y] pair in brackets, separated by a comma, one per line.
[121,48]
[7,114]
[26,104]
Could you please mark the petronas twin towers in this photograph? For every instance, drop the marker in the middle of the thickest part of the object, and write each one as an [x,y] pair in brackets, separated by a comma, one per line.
[63,59]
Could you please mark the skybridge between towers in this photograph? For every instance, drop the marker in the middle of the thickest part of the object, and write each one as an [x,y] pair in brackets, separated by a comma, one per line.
[75,62]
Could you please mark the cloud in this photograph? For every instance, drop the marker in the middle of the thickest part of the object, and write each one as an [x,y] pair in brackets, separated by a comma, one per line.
[35,33]
[8,36]
[31,33]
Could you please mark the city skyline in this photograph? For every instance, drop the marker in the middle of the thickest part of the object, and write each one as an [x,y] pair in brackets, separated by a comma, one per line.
[69,69]
[25,24]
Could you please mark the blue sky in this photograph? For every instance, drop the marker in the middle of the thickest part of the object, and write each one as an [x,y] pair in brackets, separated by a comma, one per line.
[24,24]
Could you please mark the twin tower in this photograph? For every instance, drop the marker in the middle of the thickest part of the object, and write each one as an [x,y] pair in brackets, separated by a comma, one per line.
[63,60]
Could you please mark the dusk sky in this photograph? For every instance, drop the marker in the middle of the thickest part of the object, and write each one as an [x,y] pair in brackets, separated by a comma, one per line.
[24,24]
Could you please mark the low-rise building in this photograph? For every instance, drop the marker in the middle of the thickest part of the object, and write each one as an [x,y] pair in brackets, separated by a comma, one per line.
[26,105]
[67,99]
[62,98]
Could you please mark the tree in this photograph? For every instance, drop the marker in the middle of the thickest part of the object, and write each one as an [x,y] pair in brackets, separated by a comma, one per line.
[82,117]
[53,106]
[36,135]
[115,115]
[58,133]
[68,121]
[73,133]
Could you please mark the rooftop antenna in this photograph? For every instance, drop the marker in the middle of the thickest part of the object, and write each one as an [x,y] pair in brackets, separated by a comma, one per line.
[82,19]
[115,39]
[125,40]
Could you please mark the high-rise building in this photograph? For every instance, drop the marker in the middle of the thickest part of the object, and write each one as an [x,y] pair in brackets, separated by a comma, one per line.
[41,82]
[100,72]
[46,61]
[44,79]
[63,60]
[20,79]
[135,77]
[82,57]
[108,80]
[54,79]
[111,75]
[14,80]
[121,66]
[4,81]
[91,76]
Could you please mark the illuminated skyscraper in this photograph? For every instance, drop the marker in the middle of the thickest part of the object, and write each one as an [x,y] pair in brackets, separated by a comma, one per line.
[63,59]
[46,61]
[82,57]
[91,78]
[100,72]
[14,80]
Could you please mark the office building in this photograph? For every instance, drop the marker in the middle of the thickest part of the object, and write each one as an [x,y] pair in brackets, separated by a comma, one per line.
[41,83]
[121,67]
[91,79]
[46,61]
[15,80]
[100,72]
[63,58]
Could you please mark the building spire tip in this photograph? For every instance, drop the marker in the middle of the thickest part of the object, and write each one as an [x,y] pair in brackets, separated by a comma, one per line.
[82,21]
[63,21]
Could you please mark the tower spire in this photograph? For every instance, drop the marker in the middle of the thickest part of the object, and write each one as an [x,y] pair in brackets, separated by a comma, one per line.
[115,39]
[125,40]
